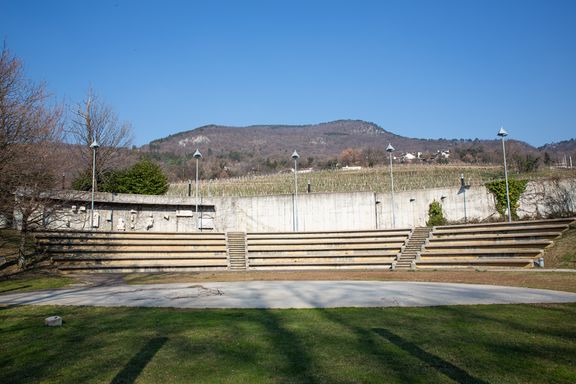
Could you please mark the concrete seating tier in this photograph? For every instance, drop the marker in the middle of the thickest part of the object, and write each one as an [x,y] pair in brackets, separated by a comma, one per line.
[521,223]
[134,251]
[325,250]
[517,244]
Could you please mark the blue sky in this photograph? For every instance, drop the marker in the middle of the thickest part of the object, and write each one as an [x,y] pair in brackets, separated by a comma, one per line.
[431,69]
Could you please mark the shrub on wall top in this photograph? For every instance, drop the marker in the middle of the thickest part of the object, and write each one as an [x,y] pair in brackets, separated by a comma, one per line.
[144,178]
[515,188]
[435,214]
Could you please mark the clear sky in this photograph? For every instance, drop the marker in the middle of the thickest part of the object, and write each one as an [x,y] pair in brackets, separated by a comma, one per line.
[430,68]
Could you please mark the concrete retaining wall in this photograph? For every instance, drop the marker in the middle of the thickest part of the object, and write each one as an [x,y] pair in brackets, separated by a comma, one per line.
[316,211]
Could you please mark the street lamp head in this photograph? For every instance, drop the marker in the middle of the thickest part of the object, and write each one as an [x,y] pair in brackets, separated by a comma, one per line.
[94,145]
[389,148]
[502,132]
[197,154]
[295,155]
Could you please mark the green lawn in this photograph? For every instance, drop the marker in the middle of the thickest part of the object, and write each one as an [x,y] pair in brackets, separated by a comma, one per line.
[462,344]
[33,282]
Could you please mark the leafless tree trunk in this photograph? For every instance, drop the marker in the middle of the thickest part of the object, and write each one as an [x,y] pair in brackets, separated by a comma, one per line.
[30,127]
[95,121]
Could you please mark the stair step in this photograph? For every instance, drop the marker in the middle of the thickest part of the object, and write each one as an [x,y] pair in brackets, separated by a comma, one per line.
[236,249]
[412,247]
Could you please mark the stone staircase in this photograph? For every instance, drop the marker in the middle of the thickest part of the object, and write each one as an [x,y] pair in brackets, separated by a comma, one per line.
[236,248]
[413,246]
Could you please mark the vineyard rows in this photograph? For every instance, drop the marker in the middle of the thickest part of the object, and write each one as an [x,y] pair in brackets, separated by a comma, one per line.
[406,177]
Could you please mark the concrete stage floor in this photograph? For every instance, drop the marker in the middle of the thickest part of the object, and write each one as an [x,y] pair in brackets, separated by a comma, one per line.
[288,294]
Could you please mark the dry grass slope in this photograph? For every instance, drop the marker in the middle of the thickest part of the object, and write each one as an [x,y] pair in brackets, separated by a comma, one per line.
[563,253]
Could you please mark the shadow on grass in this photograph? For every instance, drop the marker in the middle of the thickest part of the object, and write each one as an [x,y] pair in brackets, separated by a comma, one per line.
[298,366]
[457,374]
[138,362]
[15,288]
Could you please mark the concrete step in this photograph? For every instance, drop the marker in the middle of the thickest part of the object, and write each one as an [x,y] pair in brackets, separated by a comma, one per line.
[323,253]
[145,263]
[481,252]
[500,229]
[489,244]
[112,256]
[308,241]
[133,248]
[329,234]
[495,262]
[112,241]
[562,221]
[236,249]
[137,269]
[129,235]
[320,247]
[137,255]
[492,236]
[321,263]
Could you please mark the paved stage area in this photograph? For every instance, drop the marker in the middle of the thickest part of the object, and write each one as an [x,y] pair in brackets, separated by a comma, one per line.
[288,294]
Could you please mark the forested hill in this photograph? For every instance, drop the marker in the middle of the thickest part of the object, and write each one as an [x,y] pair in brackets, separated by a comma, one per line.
[322,140]
[267,148]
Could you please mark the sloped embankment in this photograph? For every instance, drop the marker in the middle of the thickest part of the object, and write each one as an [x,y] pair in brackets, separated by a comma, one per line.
[563,253]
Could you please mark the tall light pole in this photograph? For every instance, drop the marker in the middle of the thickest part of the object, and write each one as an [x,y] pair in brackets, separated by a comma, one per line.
[502,133]
[197,155]
[295,157]
[390,149]
[94,147]
[463,188]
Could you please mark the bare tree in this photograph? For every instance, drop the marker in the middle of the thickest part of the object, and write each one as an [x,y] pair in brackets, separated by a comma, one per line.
[30,128]
[93,120]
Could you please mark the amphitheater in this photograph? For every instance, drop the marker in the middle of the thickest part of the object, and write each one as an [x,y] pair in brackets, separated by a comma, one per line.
[493,245]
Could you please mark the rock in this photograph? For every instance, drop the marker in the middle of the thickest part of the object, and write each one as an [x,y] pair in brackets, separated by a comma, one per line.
[53,321]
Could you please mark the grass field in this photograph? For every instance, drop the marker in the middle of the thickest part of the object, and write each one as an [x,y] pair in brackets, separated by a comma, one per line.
[406,177]
[463,344]
[33,281]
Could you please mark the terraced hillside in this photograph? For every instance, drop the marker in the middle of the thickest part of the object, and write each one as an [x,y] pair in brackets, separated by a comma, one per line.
[406,177]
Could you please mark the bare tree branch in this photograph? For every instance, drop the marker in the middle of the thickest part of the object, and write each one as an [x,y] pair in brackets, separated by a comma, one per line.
[30,128]
[95,121]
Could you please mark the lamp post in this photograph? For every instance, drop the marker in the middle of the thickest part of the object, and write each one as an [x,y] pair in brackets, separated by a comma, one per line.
[463,188]
[390,149]
[295,157]
[197,155]
[94,147]
[502,133]
[377,203]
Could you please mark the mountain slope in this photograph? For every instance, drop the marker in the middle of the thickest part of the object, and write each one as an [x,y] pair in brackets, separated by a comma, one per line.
[320,140]
[262,149]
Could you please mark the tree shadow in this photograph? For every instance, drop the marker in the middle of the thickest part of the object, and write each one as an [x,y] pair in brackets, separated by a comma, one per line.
[457,374]
[15,288]
[138,362]
[297,355]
